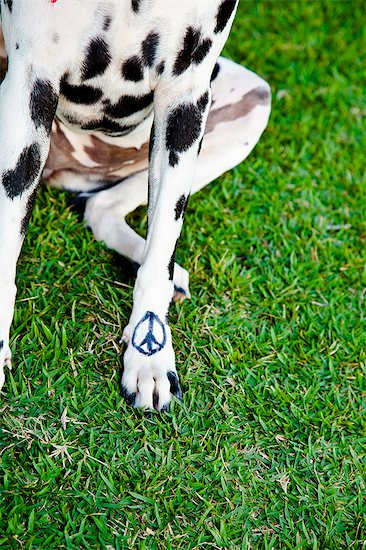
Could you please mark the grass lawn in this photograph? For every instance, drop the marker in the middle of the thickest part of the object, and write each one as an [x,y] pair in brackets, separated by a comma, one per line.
[267,449]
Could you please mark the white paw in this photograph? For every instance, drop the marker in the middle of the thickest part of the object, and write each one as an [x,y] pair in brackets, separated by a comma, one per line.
[149,377]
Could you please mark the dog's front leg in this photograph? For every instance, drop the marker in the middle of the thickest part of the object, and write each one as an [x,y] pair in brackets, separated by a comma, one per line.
[149,377]
[27,106]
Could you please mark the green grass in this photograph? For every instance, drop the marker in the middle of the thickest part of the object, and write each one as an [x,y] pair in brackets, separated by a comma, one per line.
[268,448]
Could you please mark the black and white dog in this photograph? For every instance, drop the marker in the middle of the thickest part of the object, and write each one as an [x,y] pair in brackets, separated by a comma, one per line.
[113,98]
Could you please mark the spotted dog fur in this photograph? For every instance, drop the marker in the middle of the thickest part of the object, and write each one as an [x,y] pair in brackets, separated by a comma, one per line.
[112,98]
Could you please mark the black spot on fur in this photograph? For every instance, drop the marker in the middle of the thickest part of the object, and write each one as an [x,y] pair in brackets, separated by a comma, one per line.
[25,172]
[200,146]
[43,103]
[108,126]
[202,50]
[72,120]
[183,127]
[81,95]
[203,101]
[194,50]
[107,22]
[9,4]
[1,344]
[136,5]
[160,68]
[181,206]
[215,72]
[152,140]
[171,263]
[28,212]
[132,69]
[184,58]
[17,46]
[55,38]
[223,15]
[128,105]
[173,159]
[149,47]
[96,60]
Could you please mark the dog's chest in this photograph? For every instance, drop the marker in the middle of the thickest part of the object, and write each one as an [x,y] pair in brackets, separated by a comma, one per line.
[112,54]
[109,86]
[109,80]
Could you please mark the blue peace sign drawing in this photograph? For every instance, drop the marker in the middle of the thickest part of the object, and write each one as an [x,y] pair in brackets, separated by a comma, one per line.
[149,335]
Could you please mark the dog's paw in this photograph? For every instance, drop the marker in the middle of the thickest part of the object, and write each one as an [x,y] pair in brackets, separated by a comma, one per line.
[149,383]
[5,361]
[149,377]
[181,284]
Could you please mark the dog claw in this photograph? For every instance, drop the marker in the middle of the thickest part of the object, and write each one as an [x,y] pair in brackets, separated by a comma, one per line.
[129,397]
[175,388]
[125,337]
[180,294]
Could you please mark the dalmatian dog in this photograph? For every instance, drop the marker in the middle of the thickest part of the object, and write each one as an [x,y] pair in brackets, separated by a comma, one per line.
[126,102]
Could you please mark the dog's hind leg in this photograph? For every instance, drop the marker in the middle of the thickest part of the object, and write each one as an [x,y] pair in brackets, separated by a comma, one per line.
[238,116]
[105,214]
[28,101]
